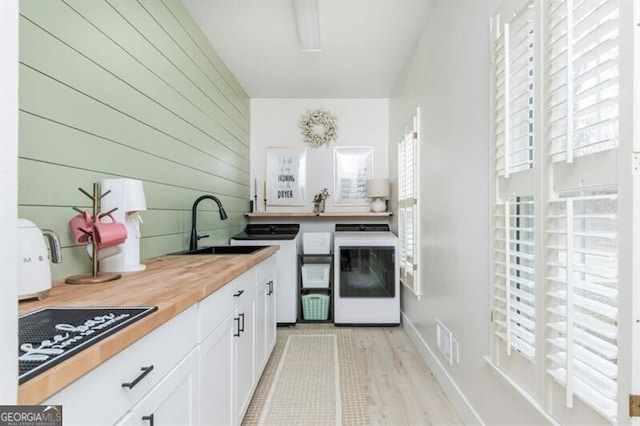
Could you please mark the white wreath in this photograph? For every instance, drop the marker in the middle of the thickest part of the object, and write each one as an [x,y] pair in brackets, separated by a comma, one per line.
[318,127]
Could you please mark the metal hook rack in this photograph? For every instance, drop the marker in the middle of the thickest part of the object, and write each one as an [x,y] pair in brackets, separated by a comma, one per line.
[96,276]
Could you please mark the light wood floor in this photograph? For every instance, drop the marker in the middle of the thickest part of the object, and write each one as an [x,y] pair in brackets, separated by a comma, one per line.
[399,387]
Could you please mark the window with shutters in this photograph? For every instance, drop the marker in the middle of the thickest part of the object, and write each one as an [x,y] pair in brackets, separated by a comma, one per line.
[582,77]
[582,297]
[514,282]
[408,204]
[556,247]
[514,94]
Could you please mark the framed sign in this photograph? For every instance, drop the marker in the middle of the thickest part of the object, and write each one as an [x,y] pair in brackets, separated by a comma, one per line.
[286,173]
[352,167]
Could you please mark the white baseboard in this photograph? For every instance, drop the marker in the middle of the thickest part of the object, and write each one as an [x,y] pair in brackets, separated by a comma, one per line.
[453,392]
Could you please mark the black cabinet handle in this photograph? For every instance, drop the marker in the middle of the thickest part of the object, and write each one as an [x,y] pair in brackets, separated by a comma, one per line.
[145,371]
[150,418]
[242,326]
[270,284]
[237,333]
[239,293]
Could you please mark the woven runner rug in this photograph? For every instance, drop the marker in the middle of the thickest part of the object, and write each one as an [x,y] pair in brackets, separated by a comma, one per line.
[311,379]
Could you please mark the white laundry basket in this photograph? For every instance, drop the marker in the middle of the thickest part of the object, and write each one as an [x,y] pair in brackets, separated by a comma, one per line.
[316,242]
[315,275]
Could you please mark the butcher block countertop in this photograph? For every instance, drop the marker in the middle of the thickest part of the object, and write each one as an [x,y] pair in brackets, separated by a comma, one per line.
[172,283]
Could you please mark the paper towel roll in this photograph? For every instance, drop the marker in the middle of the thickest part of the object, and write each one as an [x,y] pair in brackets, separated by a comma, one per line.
[128,196]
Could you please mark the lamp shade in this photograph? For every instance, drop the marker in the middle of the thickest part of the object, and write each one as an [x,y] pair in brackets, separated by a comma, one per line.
[378,188]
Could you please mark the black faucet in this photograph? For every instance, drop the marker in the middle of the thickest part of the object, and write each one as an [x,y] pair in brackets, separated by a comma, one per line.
[193,242]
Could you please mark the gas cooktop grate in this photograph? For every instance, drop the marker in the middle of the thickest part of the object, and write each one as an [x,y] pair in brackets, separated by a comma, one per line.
[51,335]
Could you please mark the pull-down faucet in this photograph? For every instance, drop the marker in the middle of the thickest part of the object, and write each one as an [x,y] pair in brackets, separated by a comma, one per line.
[193,242]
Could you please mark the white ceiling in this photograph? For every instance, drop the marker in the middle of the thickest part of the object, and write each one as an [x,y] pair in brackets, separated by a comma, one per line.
[366,45]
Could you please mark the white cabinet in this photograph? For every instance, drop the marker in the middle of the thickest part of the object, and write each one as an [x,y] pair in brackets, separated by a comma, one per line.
[201,367]
[227,367]
[265,315]
[173,401]
[261,318]
[271,320]
[235,349]
[245,354]
[217,375]
[119,383]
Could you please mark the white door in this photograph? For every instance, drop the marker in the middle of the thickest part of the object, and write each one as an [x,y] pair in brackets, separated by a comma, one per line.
[271,325]
[244,354]
[261,325]
[216,375]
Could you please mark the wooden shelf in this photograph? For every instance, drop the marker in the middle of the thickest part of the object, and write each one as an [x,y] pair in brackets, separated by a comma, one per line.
[311,214]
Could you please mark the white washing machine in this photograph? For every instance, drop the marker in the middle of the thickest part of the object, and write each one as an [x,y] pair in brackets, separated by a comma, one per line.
[366,275]
[287,237]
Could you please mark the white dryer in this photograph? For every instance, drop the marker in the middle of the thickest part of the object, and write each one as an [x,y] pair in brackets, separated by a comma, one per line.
[287,237]
[366,275]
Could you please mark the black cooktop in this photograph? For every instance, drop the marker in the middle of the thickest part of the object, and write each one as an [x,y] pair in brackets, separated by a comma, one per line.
[368,227]
[280,231]
[51,335]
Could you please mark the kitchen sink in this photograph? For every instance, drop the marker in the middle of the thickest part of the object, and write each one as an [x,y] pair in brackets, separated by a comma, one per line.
[223,250]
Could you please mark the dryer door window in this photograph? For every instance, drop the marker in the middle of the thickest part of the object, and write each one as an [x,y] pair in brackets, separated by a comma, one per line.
[367,271]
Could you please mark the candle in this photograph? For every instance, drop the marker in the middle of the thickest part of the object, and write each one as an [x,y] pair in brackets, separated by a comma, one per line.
[255,187]
[265,189]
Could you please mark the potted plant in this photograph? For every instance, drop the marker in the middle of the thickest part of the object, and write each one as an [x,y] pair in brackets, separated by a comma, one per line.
[318,200]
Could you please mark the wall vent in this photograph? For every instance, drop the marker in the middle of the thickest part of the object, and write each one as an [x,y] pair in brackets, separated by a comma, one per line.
[444,340]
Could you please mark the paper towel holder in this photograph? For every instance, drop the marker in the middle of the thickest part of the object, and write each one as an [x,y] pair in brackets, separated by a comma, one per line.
[128,196]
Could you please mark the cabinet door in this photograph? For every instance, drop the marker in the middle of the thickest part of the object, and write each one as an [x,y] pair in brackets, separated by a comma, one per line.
[271,321]
[261,326]
[216,375]
[244,355]
[174,401]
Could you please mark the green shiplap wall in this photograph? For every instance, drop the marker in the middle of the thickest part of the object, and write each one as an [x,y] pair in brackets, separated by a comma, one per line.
[128,89]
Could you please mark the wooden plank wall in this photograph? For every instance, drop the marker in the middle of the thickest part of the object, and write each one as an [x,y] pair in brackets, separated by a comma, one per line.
[128,88]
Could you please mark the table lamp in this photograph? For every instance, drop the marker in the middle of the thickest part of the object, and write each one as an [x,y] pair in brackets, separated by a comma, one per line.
[378,191]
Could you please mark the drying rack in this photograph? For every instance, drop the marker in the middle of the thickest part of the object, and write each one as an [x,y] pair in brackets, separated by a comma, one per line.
[95,276]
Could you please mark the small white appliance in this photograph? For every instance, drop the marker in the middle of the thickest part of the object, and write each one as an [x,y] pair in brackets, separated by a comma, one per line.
[34,270]
[366,275]
[287,237]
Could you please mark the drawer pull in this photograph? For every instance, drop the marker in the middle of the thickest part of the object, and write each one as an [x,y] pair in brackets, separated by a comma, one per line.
[270,284]
[239,293]
[237,333]
[242,327]
[145,371]
[150,418]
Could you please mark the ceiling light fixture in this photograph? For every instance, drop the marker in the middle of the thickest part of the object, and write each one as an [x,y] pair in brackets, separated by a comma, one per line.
[308,20]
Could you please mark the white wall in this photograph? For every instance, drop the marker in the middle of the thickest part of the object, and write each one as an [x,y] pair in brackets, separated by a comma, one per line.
[449,80]
[361,122]
[9,199]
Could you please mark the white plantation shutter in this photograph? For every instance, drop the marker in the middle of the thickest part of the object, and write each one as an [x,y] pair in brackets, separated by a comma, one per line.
[499,105]
[520,85]
[513,246]
[513,63]
[513,279]
[582,298]
[582,283]
[581,77]
[407,205]
[557,309]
